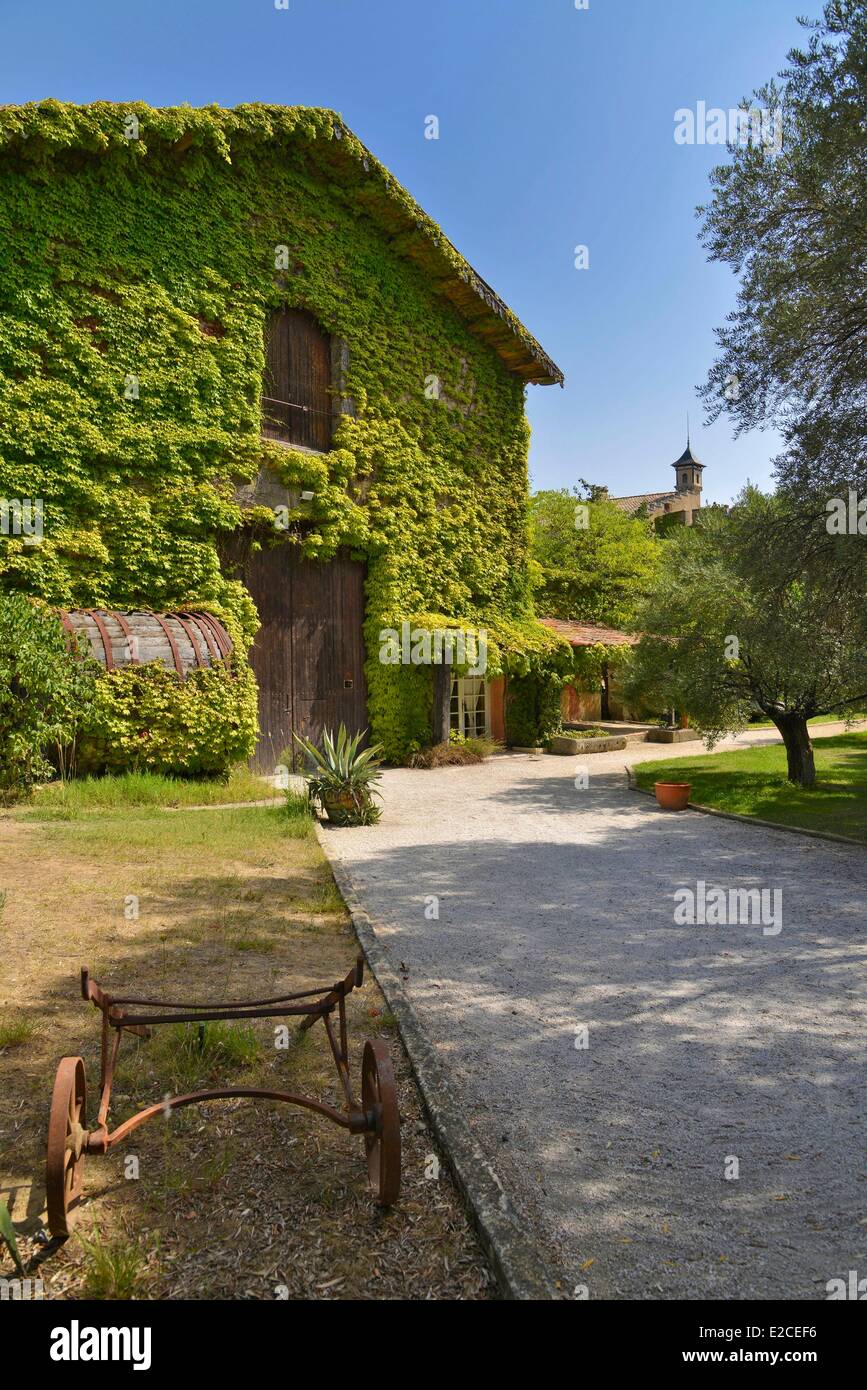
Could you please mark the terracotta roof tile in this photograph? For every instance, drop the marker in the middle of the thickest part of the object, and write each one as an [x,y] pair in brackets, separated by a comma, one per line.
[642,499]
[588,634]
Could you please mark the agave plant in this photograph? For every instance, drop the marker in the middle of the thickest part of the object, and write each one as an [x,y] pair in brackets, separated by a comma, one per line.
[343,776]
[7,1233]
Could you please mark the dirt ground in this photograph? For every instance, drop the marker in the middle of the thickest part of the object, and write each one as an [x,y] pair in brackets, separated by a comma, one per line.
[236,1199]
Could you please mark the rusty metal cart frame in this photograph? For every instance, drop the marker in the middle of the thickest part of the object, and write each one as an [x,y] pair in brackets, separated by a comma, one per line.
[376,1118]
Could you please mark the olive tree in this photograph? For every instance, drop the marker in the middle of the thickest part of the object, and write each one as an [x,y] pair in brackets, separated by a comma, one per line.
[792,224]
[734,626]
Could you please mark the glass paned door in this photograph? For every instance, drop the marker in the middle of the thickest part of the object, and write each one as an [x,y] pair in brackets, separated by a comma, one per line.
[468,714]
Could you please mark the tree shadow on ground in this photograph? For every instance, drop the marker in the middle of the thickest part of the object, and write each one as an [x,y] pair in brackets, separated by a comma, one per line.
[704,1041]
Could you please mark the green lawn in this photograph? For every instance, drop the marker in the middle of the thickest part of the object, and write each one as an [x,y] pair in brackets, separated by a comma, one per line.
[752,782]
[148,789]
[857,715]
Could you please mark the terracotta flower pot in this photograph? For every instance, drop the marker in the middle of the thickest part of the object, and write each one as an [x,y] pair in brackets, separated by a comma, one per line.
[673,796]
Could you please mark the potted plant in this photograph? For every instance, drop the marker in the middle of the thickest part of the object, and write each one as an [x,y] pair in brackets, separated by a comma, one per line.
[673,796]
[343,776]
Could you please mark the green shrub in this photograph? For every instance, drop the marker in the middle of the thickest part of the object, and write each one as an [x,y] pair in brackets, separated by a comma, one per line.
[145,718]
[483,747]
[533,709]
[45,692]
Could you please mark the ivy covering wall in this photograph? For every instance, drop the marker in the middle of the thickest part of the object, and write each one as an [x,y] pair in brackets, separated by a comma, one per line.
[138,267]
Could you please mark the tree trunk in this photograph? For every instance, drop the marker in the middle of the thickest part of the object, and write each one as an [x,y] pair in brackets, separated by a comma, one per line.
[799,749]
[442,703]
[605,701]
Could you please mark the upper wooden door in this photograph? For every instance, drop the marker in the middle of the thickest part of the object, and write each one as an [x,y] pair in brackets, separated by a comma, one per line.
[296,401]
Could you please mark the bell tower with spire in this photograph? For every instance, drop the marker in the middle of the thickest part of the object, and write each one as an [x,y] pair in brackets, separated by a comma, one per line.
[688,471]
[680,503]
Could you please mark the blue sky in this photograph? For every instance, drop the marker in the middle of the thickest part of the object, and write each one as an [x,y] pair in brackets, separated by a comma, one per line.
[556,129]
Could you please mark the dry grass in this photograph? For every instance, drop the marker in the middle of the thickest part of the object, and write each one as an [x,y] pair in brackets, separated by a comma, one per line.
[234,1199]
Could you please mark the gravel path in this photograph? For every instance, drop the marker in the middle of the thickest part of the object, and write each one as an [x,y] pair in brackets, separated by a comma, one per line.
[706,1043]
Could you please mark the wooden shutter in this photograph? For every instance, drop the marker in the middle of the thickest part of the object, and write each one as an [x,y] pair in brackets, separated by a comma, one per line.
[296,404]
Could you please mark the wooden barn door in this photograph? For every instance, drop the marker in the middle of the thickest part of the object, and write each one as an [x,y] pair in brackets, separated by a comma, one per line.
[308,656]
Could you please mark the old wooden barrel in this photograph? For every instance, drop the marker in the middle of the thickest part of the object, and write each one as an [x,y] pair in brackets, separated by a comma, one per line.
[182,641]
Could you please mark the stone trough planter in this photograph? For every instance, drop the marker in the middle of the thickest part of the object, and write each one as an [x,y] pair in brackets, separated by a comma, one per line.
[567,745]
[673,736]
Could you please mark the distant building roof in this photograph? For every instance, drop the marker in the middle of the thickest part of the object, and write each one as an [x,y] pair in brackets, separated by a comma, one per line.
[631,505]
[588,634]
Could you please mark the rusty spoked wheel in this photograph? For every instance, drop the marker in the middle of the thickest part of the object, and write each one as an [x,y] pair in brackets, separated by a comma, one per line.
[66,1140]
[379,1099]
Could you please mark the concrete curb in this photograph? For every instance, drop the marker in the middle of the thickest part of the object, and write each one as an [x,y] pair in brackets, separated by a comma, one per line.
[766,824]
[517,1265]
[226,805]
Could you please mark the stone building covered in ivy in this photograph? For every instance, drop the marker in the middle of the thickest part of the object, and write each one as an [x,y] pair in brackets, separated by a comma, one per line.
[244,373]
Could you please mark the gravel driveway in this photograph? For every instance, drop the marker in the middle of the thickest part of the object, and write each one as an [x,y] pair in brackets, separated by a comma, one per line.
[706,1043]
